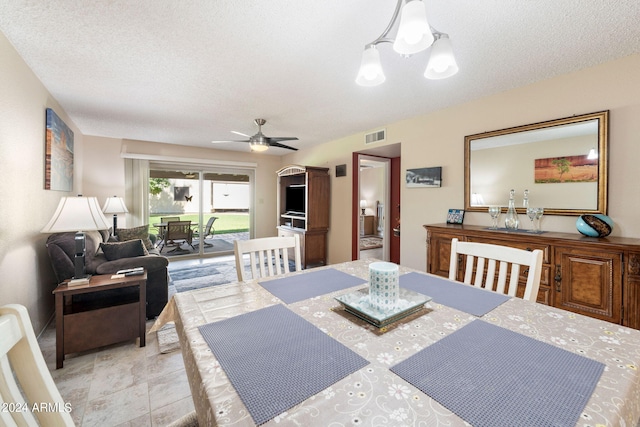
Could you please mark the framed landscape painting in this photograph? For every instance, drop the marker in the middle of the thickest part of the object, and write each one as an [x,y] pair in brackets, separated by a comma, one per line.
[58,174]
[566,169]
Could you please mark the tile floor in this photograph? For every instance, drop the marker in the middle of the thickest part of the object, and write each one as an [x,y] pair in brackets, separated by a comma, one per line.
[123,384]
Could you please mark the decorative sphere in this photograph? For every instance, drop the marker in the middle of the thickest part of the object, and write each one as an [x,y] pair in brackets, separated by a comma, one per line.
[596,225]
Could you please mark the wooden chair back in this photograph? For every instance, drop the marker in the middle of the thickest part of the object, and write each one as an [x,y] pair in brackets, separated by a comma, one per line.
[24,376]
[482,260]
[268,256]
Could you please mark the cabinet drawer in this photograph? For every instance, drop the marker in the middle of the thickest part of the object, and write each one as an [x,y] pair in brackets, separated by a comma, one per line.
[526,245]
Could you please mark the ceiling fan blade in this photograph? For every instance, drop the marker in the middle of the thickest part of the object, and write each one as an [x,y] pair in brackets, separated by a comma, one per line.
[275,144]
[240,133]
[282,138]
[229,140]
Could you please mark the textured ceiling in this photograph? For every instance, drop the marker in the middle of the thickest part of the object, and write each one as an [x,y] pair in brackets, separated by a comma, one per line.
[188,72]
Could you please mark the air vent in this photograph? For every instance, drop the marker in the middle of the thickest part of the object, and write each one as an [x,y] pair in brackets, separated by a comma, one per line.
[377,136]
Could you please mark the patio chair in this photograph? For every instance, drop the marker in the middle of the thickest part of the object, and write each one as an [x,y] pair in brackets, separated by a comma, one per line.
[162,229]
[24,376]
[272,252]
[485,276]
[207,232]
[178,232]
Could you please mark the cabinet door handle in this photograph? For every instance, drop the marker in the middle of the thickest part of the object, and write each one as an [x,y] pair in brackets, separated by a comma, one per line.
[529,249]
[558,278]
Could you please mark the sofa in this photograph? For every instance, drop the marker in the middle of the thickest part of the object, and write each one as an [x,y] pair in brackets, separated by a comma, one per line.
[107,255]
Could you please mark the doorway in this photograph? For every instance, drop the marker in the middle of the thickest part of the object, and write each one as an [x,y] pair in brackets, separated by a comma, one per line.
[216,201]
[376,204]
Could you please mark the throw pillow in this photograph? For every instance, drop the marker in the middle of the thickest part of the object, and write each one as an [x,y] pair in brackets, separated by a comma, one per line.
[142,232]
[129,249]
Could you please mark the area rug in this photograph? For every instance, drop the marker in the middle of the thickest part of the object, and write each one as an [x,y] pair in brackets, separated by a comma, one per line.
[370,242]
[202,276]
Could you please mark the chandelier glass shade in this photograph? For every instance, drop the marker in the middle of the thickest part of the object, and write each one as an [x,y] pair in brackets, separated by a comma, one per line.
[370,73]
[442,63]
[414,35]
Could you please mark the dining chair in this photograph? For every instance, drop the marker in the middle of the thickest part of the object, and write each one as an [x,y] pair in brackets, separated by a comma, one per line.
[270,254]
[207,232]
[178,232]
[25,380]
[480,267]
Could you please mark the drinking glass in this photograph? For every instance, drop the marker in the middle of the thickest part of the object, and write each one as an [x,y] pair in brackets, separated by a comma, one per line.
[539,213]
[531,213]
[494,211]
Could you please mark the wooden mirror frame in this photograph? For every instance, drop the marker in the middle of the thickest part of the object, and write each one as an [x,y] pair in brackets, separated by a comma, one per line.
[602,119]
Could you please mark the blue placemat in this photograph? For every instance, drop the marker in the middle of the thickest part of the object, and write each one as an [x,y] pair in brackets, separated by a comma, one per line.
[311,284]
[275,359]
[492,377]
[467,298]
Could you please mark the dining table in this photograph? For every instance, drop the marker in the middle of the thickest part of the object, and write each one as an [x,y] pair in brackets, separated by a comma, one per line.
[288,351]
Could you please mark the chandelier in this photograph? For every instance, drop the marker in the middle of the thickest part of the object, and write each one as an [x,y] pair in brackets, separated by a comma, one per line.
[414,35]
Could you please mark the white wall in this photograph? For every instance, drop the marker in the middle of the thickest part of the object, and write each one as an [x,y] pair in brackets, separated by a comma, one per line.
[437,139]
[372,187]
[25,206]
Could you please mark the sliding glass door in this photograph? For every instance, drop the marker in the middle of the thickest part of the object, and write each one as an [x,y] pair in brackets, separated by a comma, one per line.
[217,203]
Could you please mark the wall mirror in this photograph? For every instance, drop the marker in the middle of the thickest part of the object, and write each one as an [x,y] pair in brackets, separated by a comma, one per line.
[563,164]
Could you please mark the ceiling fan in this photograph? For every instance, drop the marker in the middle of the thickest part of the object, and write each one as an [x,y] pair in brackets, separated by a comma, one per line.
[260,142]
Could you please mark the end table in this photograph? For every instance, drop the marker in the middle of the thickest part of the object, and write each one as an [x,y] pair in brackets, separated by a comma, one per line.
[83,326]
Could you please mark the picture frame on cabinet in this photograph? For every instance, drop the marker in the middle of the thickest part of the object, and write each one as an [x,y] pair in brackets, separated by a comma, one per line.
[455,216]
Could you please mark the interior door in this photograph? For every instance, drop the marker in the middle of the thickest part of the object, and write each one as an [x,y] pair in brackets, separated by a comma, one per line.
[384,208]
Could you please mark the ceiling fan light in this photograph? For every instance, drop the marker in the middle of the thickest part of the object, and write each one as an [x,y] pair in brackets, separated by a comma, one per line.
[370,73]
[442,63]
[259,146]
[414,33]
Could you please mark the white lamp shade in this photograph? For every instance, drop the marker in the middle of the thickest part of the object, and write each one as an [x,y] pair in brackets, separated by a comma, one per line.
[593,154]
[363,204]
[370,73]
[114,205]
[77,214]
[414,34]
[442,63]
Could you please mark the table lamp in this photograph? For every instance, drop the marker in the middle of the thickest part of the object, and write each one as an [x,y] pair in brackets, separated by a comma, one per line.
[114,205]
[363,205]
[77,214]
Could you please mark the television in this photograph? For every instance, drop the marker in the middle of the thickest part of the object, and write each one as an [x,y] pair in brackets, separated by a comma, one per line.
[295,199]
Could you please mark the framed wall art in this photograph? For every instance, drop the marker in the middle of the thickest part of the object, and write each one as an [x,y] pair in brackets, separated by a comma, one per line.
[455,216]
[58,170]
[424,177]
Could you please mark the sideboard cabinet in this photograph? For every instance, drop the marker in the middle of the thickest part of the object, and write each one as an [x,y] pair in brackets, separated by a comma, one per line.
[597,277]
